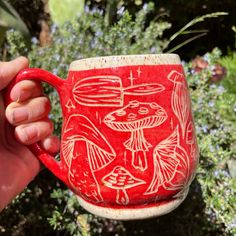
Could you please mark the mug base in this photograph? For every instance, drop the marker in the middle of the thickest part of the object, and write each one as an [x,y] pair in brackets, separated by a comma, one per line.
[137,213]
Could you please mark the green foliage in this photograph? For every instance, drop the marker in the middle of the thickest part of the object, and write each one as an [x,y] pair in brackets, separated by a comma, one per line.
[66,10]
[179,12]
[91,36]
[68,205]
[18,46]
[230,63]
[210,206]
[216,135]
[229,99]
[9,18]
[200,33]
[234,30]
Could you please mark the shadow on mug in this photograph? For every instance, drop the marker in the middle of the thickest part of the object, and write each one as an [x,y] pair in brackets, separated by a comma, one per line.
[188,219]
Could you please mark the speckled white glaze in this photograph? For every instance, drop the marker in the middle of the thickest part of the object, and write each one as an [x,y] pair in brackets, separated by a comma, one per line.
[135,213]
[146,211]
[126,60]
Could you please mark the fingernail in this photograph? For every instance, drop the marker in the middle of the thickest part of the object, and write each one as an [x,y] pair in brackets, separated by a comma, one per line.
[21,96]
[20,114]
[29,133]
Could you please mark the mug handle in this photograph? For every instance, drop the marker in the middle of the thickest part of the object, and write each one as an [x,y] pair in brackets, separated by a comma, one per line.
[56,167]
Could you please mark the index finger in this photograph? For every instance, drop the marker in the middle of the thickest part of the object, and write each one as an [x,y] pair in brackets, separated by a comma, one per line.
[25,90]
[8,70]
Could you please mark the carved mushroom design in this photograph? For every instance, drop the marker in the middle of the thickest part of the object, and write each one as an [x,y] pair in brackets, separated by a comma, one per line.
[134,118]
[180,100]
[108,90]
[170,160]
[190,134]
[98,154]
[121,179]
[191,140]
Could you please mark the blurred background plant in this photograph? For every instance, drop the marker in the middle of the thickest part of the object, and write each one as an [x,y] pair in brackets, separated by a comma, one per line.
[9,18]
[46,207]
[71,9]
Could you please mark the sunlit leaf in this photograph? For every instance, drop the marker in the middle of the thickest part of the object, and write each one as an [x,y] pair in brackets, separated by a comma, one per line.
[67,10]
[9,18]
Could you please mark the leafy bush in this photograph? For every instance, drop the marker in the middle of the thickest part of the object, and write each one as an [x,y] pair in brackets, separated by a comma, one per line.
[70,8]
[230,84]
[217,139]
[46,205]
[9,18]
[179,12]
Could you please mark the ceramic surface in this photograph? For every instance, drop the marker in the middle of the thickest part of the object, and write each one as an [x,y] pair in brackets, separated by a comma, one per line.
[128,147]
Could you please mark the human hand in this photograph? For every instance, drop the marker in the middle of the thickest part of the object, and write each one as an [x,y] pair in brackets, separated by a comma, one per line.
[29,114]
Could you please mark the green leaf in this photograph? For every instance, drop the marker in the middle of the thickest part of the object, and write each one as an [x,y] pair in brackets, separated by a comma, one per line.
[2,34]
[232,167]
[66,10]
[9,18]
[186,42]
[195,21]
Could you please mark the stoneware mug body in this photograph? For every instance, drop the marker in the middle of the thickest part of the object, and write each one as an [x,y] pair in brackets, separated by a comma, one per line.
[128,148]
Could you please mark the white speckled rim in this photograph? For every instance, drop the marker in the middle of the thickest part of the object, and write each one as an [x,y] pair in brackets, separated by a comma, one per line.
[125,60]
[135,213]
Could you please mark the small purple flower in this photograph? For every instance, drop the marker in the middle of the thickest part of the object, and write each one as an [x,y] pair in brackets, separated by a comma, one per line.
[206,57]
[145,6]
[34,40]
[120,11]
[211,104]
[55,71]
[220,89]
[153,50]
[57,57]
[204,128]
[216,173]
[86,9]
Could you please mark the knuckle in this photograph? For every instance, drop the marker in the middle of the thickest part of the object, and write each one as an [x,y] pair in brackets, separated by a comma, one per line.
[44,101]
[39,107]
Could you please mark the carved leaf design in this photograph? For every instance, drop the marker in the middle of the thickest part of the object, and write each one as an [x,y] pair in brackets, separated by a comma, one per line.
[165,162]
[67,150]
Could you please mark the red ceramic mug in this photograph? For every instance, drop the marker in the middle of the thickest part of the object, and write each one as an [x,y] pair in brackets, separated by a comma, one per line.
[128,147]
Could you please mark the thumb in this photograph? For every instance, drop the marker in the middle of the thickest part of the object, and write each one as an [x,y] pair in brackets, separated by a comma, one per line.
[8,70]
